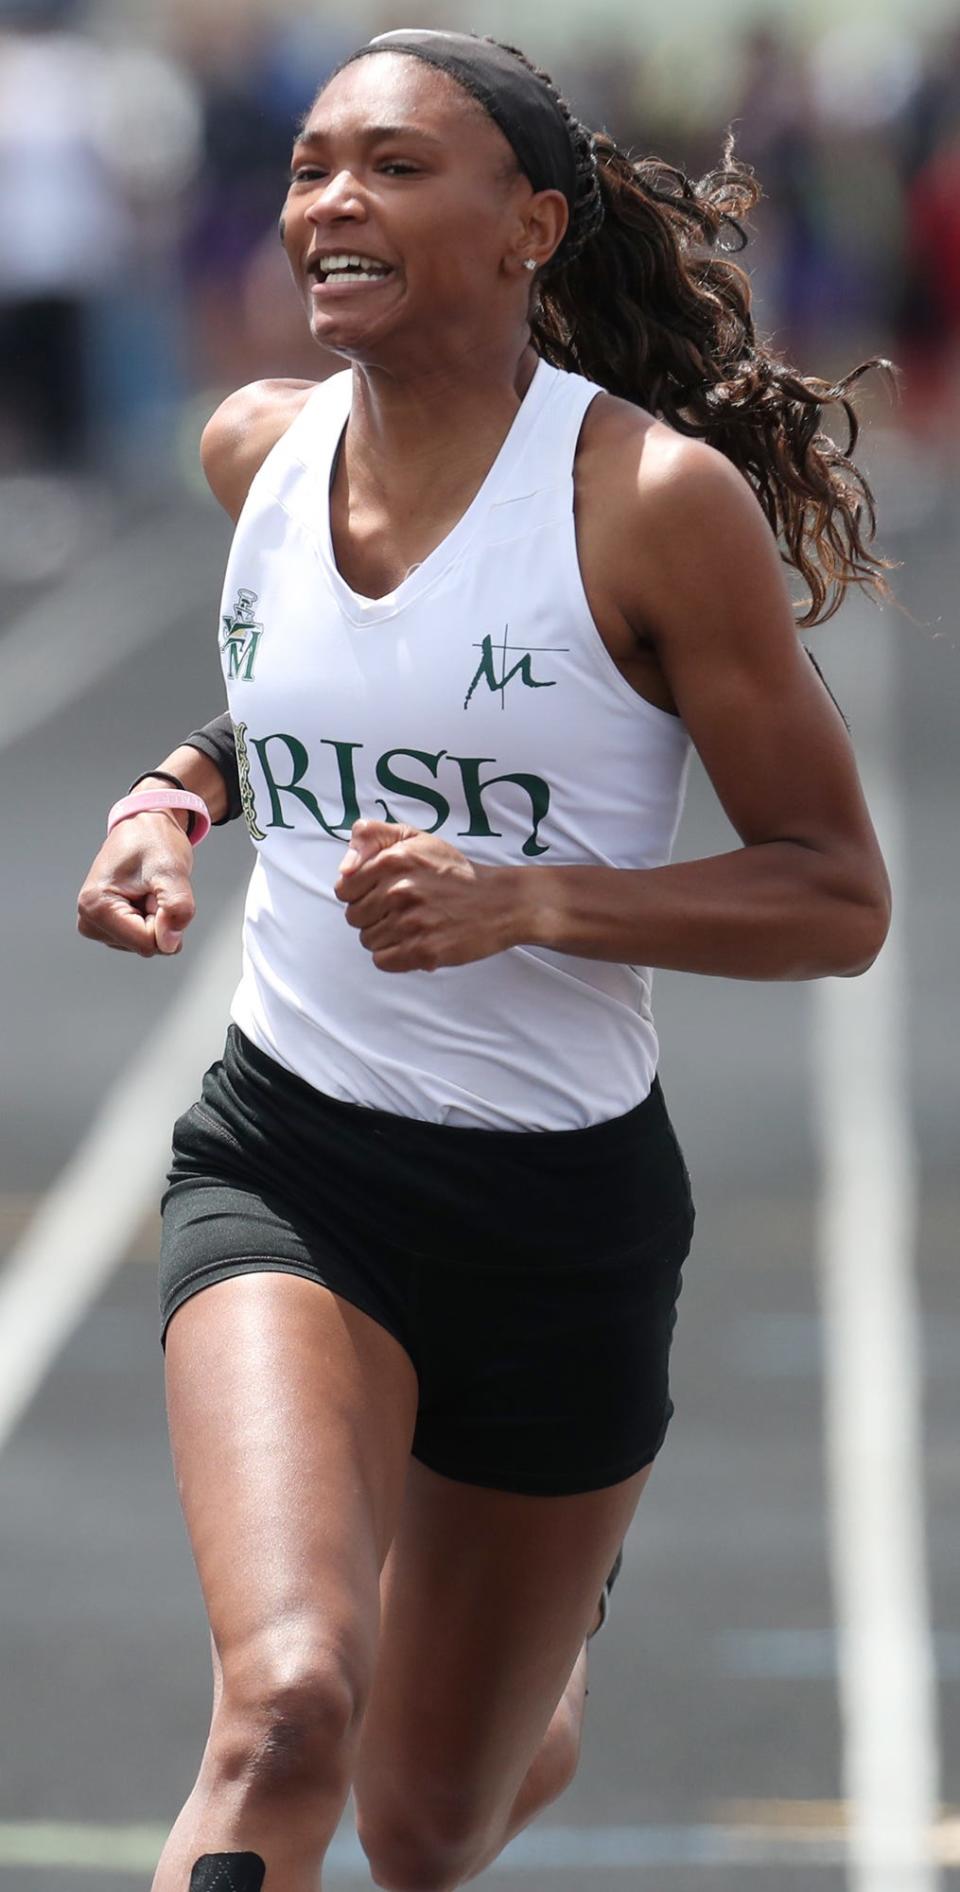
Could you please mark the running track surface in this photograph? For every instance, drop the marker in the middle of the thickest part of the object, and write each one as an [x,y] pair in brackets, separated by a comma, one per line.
[713,1710]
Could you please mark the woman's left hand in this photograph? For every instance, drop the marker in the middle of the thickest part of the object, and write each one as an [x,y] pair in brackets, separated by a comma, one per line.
[418,903]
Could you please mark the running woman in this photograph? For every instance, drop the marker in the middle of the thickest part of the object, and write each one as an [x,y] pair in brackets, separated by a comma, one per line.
[425,1226]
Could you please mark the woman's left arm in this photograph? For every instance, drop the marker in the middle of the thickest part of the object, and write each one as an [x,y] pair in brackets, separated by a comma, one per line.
[807,893]
[695,569]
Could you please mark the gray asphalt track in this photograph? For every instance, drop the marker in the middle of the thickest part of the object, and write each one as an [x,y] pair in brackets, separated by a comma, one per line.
[714,1685]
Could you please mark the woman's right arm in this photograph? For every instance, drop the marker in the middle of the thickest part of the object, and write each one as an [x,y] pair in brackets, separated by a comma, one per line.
[137,896]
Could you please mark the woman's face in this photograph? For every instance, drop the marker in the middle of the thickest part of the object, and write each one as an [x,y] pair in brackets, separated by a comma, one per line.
[398,166]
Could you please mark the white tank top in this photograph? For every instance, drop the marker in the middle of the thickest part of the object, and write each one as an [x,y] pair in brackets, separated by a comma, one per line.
[477,702]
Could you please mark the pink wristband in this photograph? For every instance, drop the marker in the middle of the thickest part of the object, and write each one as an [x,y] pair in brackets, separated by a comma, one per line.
[150,800]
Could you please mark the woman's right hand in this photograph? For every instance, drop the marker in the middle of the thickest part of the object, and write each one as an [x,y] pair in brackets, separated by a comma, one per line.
[137,896]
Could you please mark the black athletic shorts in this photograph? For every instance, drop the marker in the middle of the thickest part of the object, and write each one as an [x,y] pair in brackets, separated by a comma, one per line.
[531,1276]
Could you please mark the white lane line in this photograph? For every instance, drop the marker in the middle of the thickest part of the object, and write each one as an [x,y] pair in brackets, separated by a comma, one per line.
[769,1834]
[872,1369]
[551,1848]
[120,601]
[85,1224]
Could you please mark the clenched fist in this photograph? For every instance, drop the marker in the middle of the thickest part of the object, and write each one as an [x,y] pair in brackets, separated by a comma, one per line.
[137,896]
[418,903]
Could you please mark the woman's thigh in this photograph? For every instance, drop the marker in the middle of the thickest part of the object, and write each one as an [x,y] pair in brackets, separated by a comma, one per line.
[291,1414]
[487,1597]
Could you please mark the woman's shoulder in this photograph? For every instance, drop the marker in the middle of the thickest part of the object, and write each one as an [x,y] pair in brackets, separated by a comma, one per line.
[243,430]
[654,506]
[627,456]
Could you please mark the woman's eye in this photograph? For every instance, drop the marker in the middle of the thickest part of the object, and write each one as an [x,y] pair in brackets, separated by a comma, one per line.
[307,173]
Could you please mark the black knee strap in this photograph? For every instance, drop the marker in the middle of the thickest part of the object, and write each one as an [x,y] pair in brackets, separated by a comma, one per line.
[228,1872]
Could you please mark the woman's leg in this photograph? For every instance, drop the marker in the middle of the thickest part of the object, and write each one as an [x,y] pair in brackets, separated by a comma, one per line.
[474,1719]
[291,1416]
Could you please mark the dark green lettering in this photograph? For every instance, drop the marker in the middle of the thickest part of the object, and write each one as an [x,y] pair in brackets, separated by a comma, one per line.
[301,762]
[417,791]
[240,656]
[532,785]
[394,782]
[485,671]
[348,781]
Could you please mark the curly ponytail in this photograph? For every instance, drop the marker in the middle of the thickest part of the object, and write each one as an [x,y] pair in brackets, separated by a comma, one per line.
[637,299]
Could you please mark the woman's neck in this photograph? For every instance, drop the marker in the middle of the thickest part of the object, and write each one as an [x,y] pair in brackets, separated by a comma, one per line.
[404,437]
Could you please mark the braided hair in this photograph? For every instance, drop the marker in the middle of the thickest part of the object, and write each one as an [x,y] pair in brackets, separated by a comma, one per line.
[635,299]
[587,212]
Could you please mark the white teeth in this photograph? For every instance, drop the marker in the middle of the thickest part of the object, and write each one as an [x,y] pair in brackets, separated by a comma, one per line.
[329,264]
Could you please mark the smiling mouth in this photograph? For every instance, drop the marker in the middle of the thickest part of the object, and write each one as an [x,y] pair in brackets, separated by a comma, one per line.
[347,271]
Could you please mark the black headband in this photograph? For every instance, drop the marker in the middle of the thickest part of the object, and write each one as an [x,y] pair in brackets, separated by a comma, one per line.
[510,94]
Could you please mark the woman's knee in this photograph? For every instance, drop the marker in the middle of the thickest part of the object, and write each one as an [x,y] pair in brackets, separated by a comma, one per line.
[432,1841]
[410,1853]
[427,1843]
[290,1712]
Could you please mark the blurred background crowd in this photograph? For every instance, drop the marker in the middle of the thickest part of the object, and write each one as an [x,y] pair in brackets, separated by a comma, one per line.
[142,166]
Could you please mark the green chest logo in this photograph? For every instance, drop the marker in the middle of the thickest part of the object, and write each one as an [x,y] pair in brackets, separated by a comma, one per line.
[486,671]
[241,637]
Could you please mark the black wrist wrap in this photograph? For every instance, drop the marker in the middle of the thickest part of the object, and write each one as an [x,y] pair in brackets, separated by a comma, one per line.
[218,741]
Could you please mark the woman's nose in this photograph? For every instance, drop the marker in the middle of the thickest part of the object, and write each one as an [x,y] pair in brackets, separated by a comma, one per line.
[338,194]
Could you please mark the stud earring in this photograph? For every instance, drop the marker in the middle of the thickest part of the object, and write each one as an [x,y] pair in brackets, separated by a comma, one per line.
[529,263]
